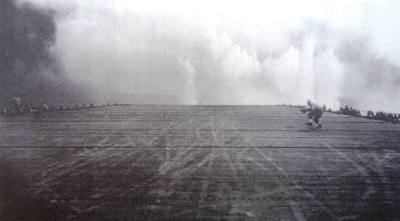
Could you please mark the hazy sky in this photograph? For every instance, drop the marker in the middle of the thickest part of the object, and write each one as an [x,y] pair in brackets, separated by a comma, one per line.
[234,52]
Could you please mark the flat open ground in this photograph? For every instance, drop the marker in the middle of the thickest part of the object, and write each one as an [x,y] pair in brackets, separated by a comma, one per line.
[197,163]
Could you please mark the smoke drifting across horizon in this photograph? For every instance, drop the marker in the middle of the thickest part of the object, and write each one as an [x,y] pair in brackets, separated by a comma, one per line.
[231,53]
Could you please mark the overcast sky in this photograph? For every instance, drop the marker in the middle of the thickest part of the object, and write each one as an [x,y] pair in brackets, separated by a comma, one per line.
[234,52]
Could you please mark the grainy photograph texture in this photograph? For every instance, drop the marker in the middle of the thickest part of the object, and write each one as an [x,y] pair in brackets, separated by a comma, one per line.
[199,110]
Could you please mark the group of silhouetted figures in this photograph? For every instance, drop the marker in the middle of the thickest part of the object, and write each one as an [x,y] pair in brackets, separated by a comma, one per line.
[395,118]
[384,116]
[348,110]
[17,107]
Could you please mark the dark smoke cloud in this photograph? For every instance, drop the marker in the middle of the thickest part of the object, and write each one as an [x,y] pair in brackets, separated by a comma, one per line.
[370,81]
[28,68]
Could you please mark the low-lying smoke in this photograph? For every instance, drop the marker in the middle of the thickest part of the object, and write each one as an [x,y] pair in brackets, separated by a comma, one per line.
[122,54]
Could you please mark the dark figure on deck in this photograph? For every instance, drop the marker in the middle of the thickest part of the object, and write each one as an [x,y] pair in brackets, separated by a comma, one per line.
[370,115]
[44,107]
[5,112]
[315,112]
[17,105]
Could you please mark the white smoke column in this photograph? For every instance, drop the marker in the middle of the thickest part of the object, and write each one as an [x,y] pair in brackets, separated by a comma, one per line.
[328,78]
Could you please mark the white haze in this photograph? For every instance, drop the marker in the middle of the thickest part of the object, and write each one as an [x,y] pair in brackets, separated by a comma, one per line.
[234,52]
